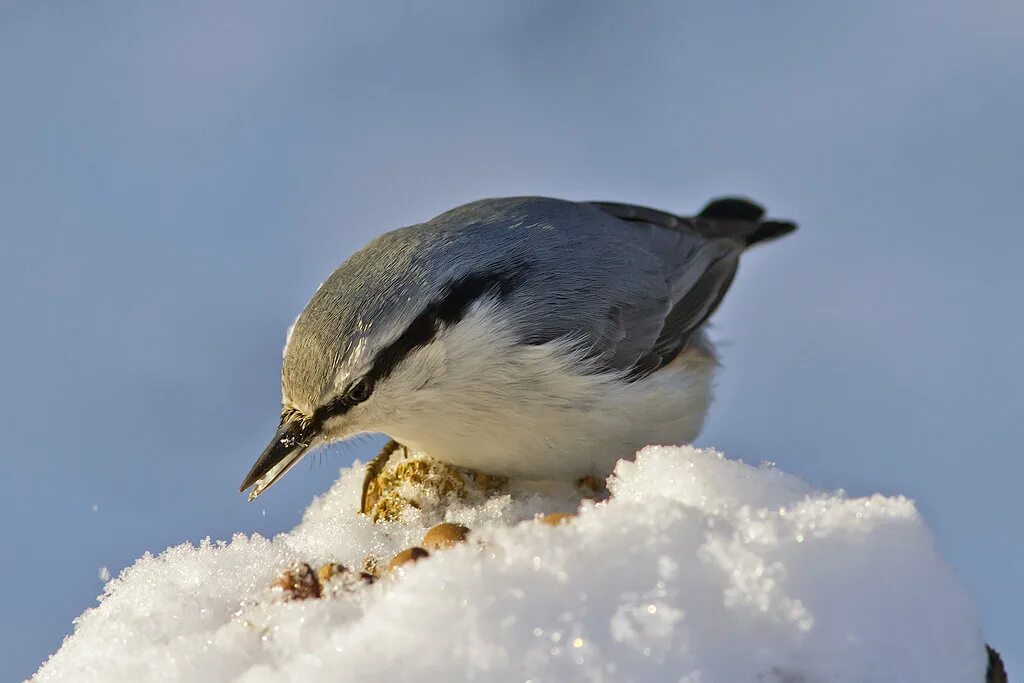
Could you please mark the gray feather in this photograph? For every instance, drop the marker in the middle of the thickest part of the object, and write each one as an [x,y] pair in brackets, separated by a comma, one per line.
[631,284]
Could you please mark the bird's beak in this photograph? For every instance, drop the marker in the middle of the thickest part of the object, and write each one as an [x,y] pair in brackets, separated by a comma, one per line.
[286,448]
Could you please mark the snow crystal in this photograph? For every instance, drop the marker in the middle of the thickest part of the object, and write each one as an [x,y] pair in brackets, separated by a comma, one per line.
[697,569]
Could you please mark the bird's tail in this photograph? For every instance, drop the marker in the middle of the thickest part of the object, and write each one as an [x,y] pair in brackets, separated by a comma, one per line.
[742,218]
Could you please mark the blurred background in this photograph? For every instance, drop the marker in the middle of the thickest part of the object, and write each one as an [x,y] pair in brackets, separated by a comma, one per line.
[177,178]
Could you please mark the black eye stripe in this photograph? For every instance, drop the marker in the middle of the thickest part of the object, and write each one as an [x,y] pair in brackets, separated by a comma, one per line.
[446,311]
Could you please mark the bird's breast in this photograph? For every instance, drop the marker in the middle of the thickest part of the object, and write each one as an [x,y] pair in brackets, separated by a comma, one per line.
[533,417]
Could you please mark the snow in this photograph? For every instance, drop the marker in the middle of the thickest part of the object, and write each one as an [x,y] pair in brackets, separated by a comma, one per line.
[698,569]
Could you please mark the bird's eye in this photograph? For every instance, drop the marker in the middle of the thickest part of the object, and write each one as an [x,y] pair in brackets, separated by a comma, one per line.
[360,391]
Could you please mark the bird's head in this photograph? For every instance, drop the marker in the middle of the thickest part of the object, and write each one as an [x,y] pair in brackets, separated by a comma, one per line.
[371,348]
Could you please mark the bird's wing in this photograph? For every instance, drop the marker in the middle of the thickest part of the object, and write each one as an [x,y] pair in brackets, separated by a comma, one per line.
[629,283]
[699,257]
[694,276]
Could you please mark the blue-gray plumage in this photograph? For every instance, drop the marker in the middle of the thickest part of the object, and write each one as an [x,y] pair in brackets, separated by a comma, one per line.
[505,317]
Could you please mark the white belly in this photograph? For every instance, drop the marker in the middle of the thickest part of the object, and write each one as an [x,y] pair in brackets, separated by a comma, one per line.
[534,419]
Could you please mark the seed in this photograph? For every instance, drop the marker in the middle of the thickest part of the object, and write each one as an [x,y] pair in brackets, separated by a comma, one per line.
[557,518]
[408,555]
[329,571]
[445,535]
[298,583]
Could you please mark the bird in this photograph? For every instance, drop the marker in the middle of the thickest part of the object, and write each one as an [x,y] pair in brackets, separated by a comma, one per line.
[526,337]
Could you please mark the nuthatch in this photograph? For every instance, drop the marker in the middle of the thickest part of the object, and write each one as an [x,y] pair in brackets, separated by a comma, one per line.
[527,337]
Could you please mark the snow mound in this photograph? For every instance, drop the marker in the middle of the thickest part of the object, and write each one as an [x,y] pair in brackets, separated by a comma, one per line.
[698,569]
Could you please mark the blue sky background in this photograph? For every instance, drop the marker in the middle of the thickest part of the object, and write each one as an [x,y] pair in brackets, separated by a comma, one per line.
[177,178]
